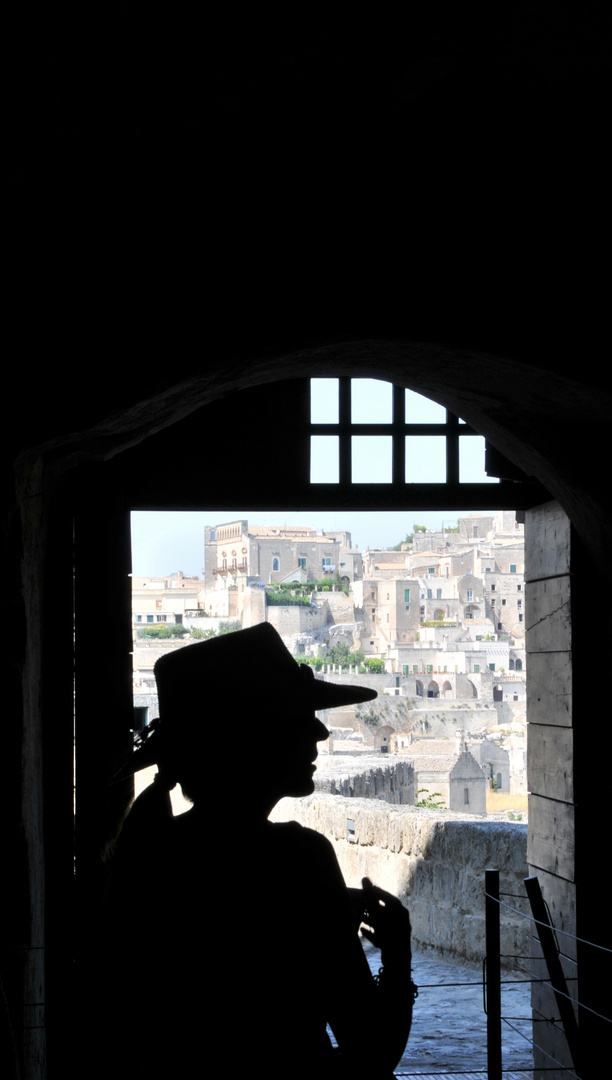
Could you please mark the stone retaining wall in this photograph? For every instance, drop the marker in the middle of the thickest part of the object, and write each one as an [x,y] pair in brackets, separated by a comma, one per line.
[434,860]
[296,618]
[388,783]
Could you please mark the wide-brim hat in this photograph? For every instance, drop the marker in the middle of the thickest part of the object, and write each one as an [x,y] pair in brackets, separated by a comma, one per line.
[248,665]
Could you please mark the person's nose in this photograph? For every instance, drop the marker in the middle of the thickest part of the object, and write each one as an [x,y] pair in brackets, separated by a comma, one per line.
[321,731]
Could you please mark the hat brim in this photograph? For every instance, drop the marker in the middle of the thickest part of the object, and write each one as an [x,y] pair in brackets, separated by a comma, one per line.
[317,694]
[207,672]
[330,695]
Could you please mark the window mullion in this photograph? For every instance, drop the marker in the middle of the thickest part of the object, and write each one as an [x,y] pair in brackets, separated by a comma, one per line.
[398,473]
[452,449]
[344,427]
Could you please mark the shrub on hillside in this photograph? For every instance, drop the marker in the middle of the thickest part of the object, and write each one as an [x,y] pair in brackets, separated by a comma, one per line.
[163,630]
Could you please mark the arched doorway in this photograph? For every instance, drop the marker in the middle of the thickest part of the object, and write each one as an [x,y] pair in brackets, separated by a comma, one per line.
[152,472]
[102,510]
[382,738]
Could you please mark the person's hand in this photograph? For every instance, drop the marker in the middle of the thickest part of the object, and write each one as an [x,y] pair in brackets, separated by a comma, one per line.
[387,924]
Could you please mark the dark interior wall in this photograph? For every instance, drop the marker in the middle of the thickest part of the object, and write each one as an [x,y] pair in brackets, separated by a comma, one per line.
[264,179]
[205,201]
[221,202]
[551,425]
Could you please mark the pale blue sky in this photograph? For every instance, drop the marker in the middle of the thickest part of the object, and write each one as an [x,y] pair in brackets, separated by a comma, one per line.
[164,542]
[371,403]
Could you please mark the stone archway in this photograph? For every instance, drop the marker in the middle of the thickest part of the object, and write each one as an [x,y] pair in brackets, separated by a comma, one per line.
[471,611]
[127,429]
[382,737]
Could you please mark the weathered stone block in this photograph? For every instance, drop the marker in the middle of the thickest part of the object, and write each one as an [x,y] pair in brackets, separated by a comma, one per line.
[550,765]
[548,616]
[551,837]
[549,688]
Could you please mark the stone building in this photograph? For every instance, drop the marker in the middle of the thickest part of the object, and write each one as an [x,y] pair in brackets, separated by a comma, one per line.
[389,610]
[239,556]
[504,597]
[270,554]
[472,578]
[456,780]
[164,600]
[494,761]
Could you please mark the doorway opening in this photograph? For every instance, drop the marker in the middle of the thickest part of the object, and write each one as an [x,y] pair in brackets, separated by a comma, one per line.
[442,547]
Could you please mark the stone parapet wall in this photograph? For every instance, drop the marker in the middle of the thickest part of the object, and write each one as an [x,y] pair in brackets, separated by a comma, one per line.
[392,783]
[434,860]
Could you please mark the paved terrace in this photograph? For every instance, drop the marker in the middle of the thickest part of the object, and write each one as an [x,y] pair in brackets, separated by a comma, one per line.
[449,1025]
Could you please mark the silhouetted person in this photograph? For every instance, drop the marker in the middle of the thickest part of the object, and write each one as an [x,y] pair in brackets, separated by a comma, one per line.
[231,942]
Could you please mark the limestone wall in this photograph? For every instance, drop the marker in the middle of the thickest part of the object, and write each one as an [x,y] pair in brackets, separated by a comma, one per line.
[339,606]
[392,783]
[434,860]
[296,619]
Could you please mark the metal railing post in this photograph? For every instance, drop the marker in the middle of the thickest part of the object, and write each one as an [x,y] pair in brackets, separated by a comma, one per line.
[493,975]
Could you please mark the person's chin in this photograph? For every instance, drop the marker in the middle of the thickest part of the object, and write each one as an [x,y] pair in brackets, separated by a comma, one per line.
[303,786]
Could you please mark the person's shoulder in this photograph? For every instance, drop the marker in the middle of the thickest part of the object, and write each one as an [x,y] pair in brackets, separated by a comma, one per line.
[308,842]
[300,834]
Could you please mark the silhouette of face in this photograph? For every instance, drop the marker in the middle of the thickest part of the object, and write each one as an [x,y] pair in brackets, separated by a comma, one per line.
[290,755]
[277,765]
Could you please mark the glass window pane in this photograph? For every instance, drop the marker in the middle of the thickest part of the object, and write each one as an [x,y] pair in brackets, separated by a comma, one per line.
[371,401]
[472,461]
[421,410]
[371,459]
[324,401]
[324,459]
[425,459]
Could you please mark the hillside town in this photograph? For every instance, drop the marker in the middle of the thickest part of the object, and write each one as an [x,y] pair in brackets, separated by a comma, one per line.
[436,625]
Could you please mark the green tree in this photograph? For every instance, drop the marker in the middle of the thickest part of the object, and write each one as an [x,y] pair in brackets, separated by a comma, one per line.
[316,662]
[163,630]
[203,634]
[341,654]
[375,666]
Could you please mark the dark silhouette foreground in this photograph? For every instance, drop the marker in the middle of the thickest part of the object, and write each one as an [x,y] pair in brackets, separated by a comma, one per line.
[230,942]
